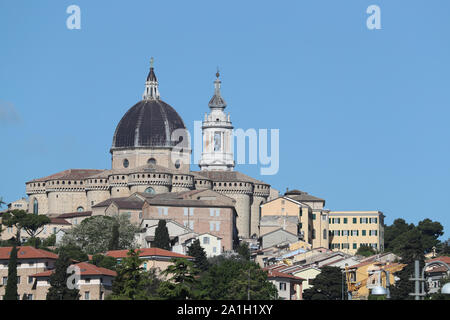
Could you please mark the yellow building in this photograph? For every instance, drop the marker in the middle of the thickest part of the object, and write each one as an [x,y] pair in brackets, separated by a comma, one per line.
[362,278]
[351,229]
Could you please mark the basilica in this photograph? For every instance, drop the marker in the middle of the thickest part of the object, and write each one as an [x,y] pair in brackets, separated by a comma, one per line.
[143,162]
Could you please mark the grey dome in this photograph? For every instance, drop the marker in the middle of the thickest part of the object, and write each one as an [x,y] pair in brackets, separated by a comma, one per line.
[149,123]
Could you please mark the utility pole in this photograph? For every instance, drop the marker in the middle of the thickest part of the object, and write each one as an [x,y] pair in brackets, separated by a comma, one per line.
[417,281]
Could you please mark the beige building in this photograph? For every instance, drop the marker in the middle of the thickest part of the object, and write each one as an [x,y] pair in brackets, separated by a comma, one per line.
[351,229]
[299,213]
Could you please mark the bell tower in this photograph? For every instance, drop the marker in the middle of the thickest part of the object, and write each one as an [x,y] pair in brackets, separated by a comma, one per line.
[217,132]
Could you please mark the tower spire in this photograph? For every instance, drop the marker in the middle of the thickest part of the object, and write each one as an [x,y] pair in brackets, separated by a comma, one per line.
[217,101]
[151,84]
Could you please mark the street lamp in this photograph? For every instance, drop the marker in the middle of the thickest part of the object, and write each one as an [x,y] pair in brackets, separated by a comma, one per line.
[380,290]
[446,288]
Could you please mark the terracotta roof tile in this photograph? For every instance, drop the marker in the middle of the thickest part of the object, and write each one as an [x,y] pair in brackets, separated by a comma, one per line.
[27,253]
[86,269]
[277,274]
[75,215]
[147,252]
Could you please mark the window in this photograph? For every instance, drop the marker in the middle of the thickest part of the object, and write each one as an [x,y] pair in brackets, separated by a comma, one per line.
[191,211]
[18,279]
[217,225]
[214,249]
[87,280]
[314,216]
[363,232]
[282,286]
[177,164]
[324,234]
[80,209]
[355,220]
[27,296]
[126,163]
[54,230]
[354,246]
[86,295]
[324,217]
[151,161]
[150,190]
[372,232]
[217,141]
[314,233]
[145,265]
[345,220]
[30,280]
[35,206]
[211,226]
[205,240]
[163,211]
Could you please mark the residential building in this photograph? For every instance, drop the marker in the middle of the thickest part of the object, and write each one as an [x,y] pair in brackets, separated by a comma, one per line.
[437,268]
[289,287]
[350,229]
[95,283]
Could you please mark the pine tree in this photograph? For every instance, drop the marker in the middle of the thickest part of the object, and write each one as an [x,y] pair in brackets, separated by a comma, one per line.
[162,239]
[58,281]
[197,251]
[11,285]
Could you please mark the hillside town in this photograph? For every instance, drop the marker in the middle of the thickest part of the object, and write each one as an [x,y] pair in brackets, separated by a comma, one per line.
[152,228]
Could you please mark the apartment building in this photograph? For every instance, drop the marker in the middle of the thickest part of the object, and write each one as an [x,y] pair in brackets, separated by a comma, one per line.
[350,229]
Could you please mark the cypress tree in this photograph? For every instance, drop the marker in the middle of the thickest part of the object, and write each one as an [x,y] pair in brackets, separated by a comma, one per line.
[58,281]
[162,239]
[114,245]
[197,251]
[11,285]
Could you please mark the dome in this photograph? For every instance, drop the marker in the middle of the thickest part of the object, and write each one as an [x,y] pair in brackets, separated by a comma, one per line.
[149,123]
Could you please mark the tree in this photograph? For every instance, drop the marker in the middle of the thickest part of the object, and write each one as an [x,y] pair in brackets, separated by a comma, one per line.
[94,235]
[104,261]
[49,242]
[181,281]
[197,251]
[132,281]
[114,245]
[14,218]
[162,239]
[59,290]
[326,286]
[73,252]
[431,231]
[244,251]
[11,284]
[365,251]
[235,279]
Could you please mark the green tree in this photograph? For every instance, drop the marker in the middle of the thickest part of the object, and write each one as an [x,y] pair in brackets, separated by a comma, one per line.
[14,219]
[365,251]
[235,279]
[73,252]
[431,231]
[33,224]
[162,239]
[59,290]
[132,281]
[94,235]
[244,251]
[11,284]
[197,251]
[328,285]
[103,261]
[114,245]
[49,242]
[181,281]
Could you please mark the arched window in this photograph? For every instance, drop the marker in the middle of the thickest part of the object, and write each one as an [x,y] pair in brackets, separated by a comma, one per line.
[151,161]
[80,209]
[126,163]
[150,190]
[35,206]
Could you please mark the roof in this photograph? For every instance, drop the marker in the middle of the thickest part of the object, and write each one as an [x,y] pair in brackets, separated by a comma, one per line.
[441,258]
[278,230]
[122,203]
[302,196]
[70,174]
[27,253]
[147,252]
[228,176]
[59,221]
[149,123]
[75,215]
[86,269]
[277,274]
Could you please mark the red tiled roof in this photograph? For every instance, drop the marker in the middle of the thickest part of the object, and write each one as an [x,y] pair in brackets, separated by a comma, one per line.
[75,214]
[147,252]
[27,253]
[59,221]
[441,258]
[70,174]
[86,269]
[278,274]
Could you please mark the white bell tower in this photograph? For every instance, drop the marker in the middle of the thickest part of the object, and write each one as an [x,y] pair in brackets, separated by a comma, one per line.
[217,132]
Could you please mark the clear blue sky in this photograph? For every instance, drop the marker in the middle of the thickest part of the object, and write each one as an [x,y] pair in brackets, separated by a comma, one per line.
[363,114]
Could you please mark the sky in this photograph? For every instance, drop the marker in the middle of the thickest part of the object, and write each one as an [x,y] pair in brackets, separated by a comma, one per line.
[362,114]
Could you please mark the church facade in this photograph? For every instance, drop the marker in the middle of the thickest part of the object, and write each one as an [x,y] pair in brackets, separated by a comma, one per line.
[143,161]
